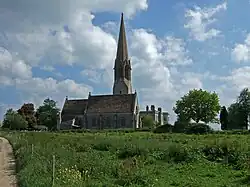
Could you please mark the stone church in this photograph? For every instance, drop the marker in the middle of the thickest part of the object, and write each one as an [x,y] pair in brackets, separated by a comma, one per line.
[119,110]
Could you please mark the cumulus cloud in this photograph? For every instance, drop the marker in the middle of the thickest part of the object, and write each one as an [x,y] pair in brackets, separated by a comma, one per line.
[67,37]
[241,52]
[32,38]
[199,21]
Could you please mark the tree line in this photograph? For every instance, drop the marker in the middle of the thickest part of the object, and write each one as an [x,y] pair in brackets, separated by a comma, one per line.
[27,117]
[198,105]
[201,105]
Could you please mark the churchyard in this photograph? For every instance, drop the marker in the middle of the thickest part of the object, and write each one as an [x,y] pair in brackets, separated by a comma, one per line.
[130,159]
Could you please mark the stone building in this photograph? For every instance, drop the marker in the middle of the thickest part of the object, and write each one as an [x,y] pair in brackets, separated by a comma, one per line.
[119,110]
[158,115]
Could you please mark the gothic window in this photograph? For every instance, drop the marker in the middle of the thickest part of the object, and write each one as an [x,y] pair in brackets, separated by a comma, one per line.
[108,122]
[93,122]
[115,121]
[100,122]
[123,122]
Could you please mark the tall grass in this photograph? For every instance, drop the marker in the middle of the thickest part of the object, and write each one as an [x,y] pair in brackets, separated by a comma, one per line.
[131,159]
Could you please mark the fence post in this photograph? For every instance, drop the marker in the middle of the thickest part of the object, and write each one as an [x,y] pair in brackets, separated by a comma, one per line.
[32,149]
[53,170]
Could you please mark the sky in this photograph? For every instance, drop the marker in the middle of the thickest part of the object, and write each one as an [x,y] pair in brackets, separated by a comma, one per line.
[55,49]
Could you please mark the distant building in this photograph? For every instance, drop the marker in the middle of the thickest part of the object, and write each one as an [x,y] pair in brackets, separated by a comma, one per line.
[158,116]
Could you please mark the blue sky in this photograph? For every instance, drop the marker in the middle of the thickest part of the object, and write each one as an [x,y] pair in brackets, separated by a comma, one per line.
[68,49]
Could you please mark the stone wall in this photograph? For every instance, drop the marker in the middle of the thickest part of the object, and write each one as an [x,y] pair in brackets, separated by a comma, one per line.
[111,121]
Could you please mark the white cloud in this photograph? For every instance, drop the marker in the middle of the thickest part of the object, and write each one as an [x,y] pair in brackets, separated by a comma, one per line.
[34,38]
[11,68]
[239,78]
[199,21]
[241,52]
[155,69]
[37,89]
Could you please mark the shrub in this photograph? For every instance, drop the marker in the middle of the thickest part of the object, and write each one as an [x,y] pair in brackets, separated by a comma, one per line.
[148,122]
[225,149]
[163,128]
[14,121]
[198,128]
[180,126]
[131,151]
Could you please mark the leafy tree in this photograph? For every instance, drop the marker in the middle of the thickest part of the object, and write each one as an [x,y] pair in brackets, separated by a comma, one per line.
[28,112]
[14,121]
[244,105]
[148,122]
[199,105]
[239,111]
[224,118]
[235,119]
[47,114]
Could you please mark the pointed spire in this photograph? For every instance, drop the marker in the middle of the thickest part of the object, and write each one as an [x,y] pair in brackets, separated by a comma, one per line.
[122,49]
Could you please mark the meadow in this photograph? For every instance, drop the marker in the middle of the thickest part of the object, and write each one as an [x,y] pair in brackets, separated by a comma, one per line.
[131,159]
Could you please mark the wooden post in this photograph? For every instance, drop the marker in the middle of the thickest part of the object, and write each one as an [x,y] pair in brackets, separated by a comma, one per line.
[32,149]
[53,170]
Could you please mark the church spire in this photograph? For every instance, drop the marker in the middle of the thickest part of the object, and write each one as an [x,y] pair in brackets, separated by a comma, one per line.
[122,69]
[122,49]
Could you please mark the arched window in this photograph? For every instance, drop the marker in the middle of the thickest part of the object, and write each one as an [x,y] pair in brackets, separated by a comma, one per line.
[115,121]
[123,122]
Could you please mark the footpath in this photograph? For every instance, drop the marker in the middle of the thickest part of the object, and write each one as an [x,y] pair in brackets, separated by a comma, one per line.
[7,165]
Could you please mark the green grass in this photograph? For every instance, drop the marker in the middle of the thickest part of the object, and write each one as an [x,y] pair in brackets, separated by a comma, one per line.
[131,159]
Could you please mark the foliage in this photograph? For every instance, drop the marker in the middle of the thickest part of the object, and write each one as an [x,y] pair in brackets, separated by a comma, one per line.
[235,116]
[130,159]
[198,105]
[47,114]
[224,118]
[163,128]
[148,122]
[244,104]
[28,112]
[180,126]
[198,128]
[13,120]
[239,111]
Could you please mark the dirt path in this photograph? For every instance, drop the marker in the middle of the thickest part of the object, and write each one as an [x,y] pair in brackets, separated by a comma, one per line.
[7,165]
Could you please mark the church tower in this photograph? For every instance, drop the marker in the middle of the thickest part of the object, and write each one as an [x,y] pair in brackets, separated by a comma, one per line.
[122,68]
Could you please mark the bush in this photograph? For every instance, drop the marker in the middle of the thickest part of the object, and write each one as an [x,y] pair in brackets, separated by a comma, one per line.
[148,122]
[163,128]
[219,151]
[180,126]
[14,121]
[198,128]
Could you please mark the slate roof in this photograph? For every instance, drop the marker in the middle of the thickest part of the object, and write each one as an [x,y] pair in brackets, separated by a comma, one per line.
[76,106]
[111,103]
[99,104]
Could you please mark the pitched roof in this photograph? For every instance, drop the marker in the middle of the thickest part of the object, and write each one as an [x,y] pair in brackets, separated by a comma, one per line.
[111,103]
[76,106]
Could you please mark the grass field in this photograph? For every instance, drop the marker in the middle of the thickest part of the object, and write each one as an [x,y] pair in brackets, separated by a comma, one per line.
[131,159]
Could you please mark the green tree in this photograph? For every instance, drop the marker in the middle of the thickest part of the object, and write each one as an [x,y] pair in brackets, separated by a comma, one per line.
[148,122]
[224,118]
[28,112]
[13,120]
[244,106]
[235,119]
[238,112]
[199,105]
[47,114]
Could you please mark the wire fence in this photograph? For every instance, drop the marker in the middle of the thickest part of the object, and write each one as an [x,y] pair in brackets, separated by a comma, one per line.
[58,173]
